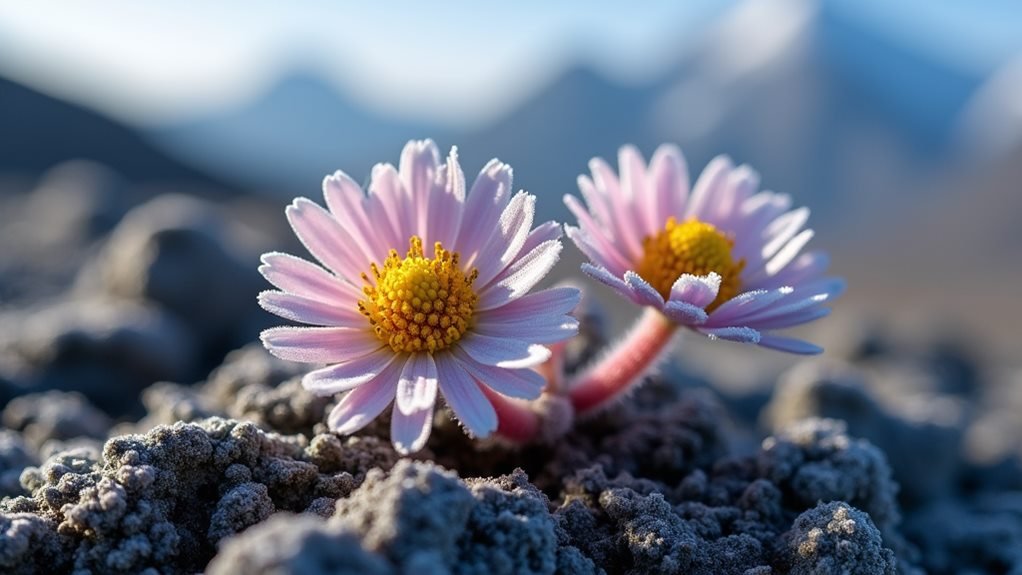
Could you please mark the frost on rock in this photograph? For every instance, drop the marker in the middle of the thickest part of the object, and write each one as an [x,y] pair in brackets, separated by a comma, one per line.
[656,538]
[656,435]
[241,507]
[15,456]
[27,542]
[55,415]
[728,517]
[253,385]
[815,460]
[510,530]
[296,544]
[648,486]
[837,538]
[163,500]
[625,526]
[425,520]
[922,450]
[413,516]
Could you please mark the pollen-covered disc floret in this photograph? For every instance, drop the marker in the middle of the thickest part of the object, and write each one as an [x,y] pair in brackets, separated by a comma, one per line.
[454,317]
[728,263]
[417,303]
[691,247]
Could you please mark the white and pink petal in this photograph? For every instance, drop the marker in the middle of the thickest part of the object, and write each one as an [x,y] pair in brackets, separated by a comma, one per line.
[610,280]
[350,374]
[363,404]
[310,311]
[740,334]
[503,352]
[417,384]
[301,277]
[548,302]
[320,233]
[521,276]
[669,181]
[520,383]
[538,329]
[465,398]
[645,294]
[789,345]
[319,344]
[410,431]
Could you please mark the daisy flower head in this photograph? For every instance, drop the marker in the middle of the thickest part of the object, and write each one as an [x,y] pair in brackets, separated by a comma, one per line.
[422,289]
[721,258]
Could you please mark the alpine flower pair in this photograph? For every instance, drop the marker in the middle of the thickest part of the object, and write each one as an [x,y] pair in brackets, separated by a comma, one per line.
[424,287]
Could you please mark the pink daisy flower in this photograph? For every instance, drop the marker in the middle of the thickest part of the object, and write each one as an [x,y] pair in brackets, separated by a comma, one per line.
[721,258]
[423,290]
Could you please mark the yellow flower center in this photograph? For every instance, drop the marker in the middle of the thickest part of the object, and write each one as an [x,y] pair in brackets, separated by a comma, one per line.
[691,247]
[419,303]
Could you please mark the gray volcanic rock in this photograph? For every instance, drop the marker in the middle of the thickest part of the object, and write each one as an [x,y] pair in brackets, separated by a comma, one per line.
[46,233]
[413,515]
[425,520]
[160,500]
[41,417]
[979,535]
[923,451]
[238,473]
[79,201]
[28,542]
[177,252]
[177,496]
[15,456]
[729,518]
[95,347]
[240,508]
[815,460]
[510,530]
[837,538]
[296,545]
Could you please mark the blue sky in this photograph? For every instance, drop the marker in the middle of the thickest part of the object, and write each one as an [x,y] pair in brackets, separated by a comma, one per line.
[454,61]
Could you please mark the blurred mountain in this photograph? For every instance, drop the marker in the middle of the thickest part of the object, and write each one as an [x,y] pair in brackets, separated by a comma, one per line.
[852,117]
[40,131]
[777,84]
[550,137]
[846,115]
[287,139]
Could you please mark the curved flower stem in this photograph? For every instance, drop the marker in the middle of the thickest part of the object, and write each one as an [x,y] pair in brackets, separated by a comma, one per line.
[553,369]
[633,357]
[517,422]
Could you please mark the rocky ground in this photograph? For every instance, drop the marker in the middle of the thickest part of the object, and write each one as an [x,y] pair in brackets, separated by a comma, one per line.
[144,432]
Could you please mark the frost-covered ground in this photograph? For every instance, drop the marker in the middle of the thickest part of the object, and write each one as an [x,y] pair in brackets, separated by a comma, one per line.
[888,457]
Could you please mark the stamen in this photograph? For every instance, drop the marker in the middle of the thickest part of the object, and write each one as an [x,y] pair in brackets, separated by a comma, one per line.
[691,247]
[418,303]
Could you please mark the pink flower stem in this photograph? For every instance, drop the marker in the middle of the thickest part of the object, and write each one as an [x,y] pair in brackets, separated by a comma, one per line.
[626,364]
[516,421]
[553,368]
